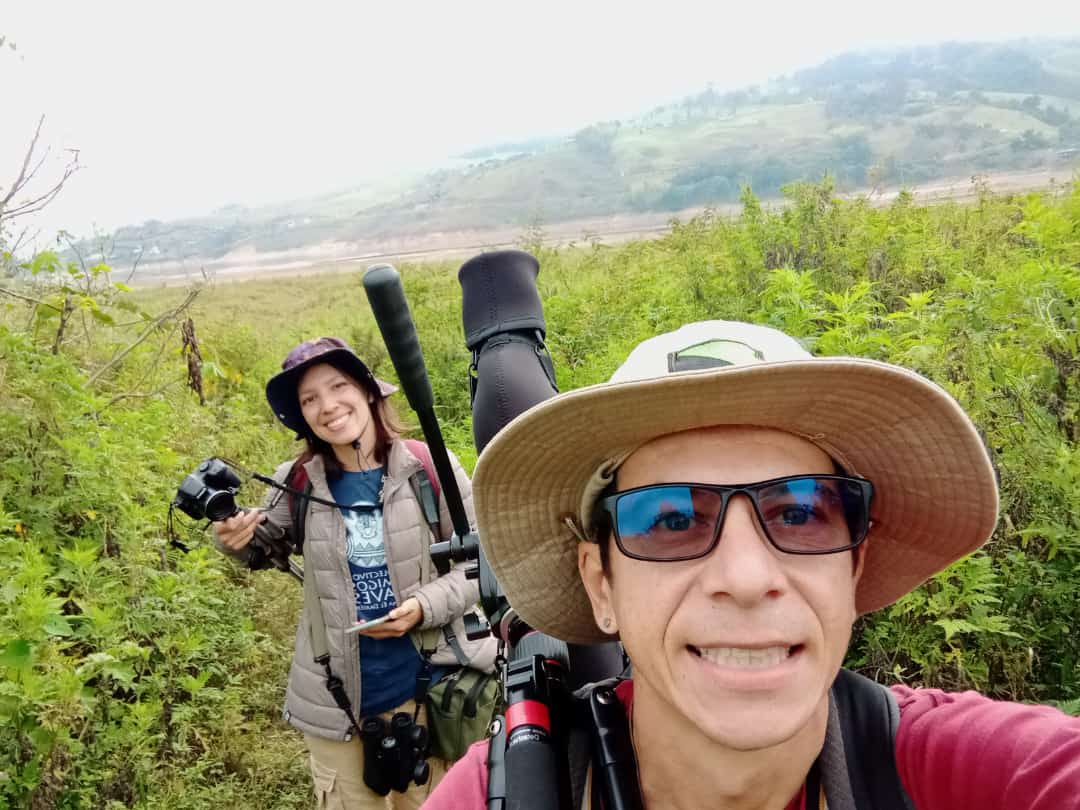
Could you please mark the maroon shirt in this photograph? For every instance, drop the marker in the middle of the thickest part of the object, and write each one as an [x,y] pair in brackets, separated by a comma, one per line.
[954,751]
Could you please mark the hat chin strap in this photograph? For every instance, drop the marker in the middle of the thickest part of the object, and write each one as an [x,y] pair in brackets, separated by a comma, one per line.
[363,458]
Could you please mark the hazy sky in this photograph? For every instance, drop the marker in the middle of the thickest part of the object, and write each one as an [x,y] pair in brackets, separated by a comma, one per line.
[181,107]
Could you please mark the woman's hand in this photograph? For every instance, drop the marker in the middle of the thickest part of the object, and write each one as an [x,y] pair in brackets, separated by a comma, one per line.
[236,532]
[403,618]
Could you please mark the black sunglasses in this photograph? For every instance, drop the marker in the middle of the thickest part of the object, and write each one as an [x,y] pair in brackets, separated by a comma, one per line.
[799,514]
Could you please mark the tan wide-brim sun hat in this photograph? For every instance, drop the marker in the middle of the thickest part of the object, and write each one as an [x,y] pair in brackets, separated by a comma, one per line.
[936,494]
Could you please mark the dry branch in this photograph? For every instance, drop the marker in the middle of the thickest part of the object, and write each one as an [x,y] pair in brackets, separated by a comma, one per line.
[28,299]
[138,258]
[27,174]
[65,316]
[20,181]
[142,394]
[154,324]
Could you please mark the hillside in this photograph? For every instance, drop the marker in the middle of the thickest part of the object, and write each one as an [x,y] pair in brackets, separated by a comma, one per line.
[869,119]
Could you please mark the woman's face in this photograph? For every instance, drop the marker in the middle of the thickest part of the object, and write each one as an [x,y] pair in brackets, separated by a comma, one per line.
[335,406]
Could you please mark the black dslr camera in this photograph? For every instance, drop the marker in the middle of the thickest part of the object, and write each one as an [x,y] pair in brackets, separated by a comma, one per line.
[209,493]
[394,756]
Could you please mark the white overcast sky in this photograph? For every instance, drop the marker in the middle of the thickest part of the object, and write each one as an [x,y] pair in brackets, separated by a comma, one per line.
[181,107]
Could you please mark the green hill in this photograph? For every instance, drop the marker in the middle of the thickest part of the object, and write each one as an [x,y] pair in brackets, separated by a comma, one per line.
[870,119]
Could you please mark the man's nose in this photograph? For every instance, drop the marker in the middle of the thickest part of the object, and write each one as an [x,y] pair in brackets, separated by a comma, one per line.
[743,567]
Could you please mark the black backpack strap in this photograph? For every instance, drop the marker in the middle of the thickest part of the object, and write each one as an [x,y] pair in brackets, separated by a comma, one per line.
[425,490]
[577,752]
[429,502]
[858,762]
[600,752]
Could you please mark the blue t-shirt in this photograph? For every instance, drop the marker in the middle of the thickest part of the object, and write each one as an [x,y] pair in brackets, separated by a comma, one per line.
[388,666]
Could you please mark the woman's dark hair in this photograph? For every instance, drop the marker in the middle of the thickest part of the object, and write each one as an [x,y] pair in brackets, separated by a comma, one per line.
[388,426]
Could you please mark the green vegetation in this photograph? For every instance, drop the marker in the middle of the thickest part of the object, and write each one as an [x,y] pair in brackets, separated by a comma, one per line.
[871,120]
[135,675]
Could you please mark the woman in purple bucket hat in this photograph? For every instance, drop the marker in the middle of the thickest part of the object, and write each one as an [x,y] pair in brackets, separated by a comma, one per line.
[368,559]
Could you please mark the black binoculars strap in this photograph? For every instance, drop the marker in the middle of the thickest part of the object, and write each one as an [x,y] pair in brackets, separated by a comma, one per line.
[320,648]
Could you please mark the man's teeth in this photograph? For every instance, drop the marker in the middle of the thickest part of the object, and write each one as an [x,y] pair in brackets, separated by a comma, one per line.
[742,657]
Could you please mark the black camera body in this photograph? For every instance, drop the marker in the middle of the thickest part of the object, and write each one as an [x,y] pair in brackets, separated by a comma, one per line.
[394,754]
[209,493]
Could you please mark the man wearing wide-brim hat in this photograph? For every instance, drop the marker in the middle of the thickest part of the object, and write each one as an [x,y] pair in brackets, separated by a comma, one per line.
[727,505]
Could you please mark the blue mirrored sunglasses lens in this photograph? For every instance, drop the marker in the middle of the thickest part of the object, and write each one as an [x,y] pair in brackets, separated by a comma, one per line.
[811,514]
[667,522]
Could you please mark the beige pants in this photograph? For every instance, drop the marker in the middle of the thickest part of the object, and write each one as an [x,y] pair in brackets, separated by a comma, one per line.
[337,769]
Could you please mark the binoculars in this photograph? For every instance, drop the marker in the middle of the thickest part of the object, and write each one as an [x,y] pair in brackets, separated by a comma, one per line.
[394,754]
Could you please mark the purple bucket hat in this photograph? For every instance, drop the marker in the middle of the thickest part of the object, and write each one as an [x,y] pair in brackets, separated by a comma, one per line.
[281,390]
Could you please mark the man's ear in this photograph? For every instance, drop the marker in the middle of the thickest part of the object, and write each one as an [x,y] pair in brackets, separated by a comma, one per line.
[597,586]
[859,560]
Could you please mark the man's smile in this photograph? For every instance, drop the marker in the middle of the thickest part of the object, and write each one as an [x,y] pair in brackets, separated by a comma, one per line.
[759,657]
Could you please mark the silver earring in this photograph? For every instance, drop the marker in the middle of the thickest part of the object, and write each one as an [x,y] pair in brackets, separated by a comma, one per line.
[607,624]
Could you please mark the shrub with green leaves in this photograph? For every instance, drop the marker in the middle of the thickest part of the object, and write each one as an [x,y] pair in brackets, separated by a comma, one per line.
[134,675]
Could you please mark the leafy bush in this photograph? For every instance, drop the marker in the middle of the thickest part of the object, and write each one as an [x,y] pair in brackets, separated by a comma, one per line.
[135,675]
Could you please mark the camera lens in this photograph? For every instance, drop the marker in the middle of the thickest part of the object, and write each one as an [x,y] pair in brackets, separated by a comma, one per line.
[220,505]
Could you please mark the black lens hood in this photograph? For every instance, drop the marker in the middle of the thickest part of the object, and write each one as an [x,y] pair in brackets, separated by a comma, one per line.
[498,294]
